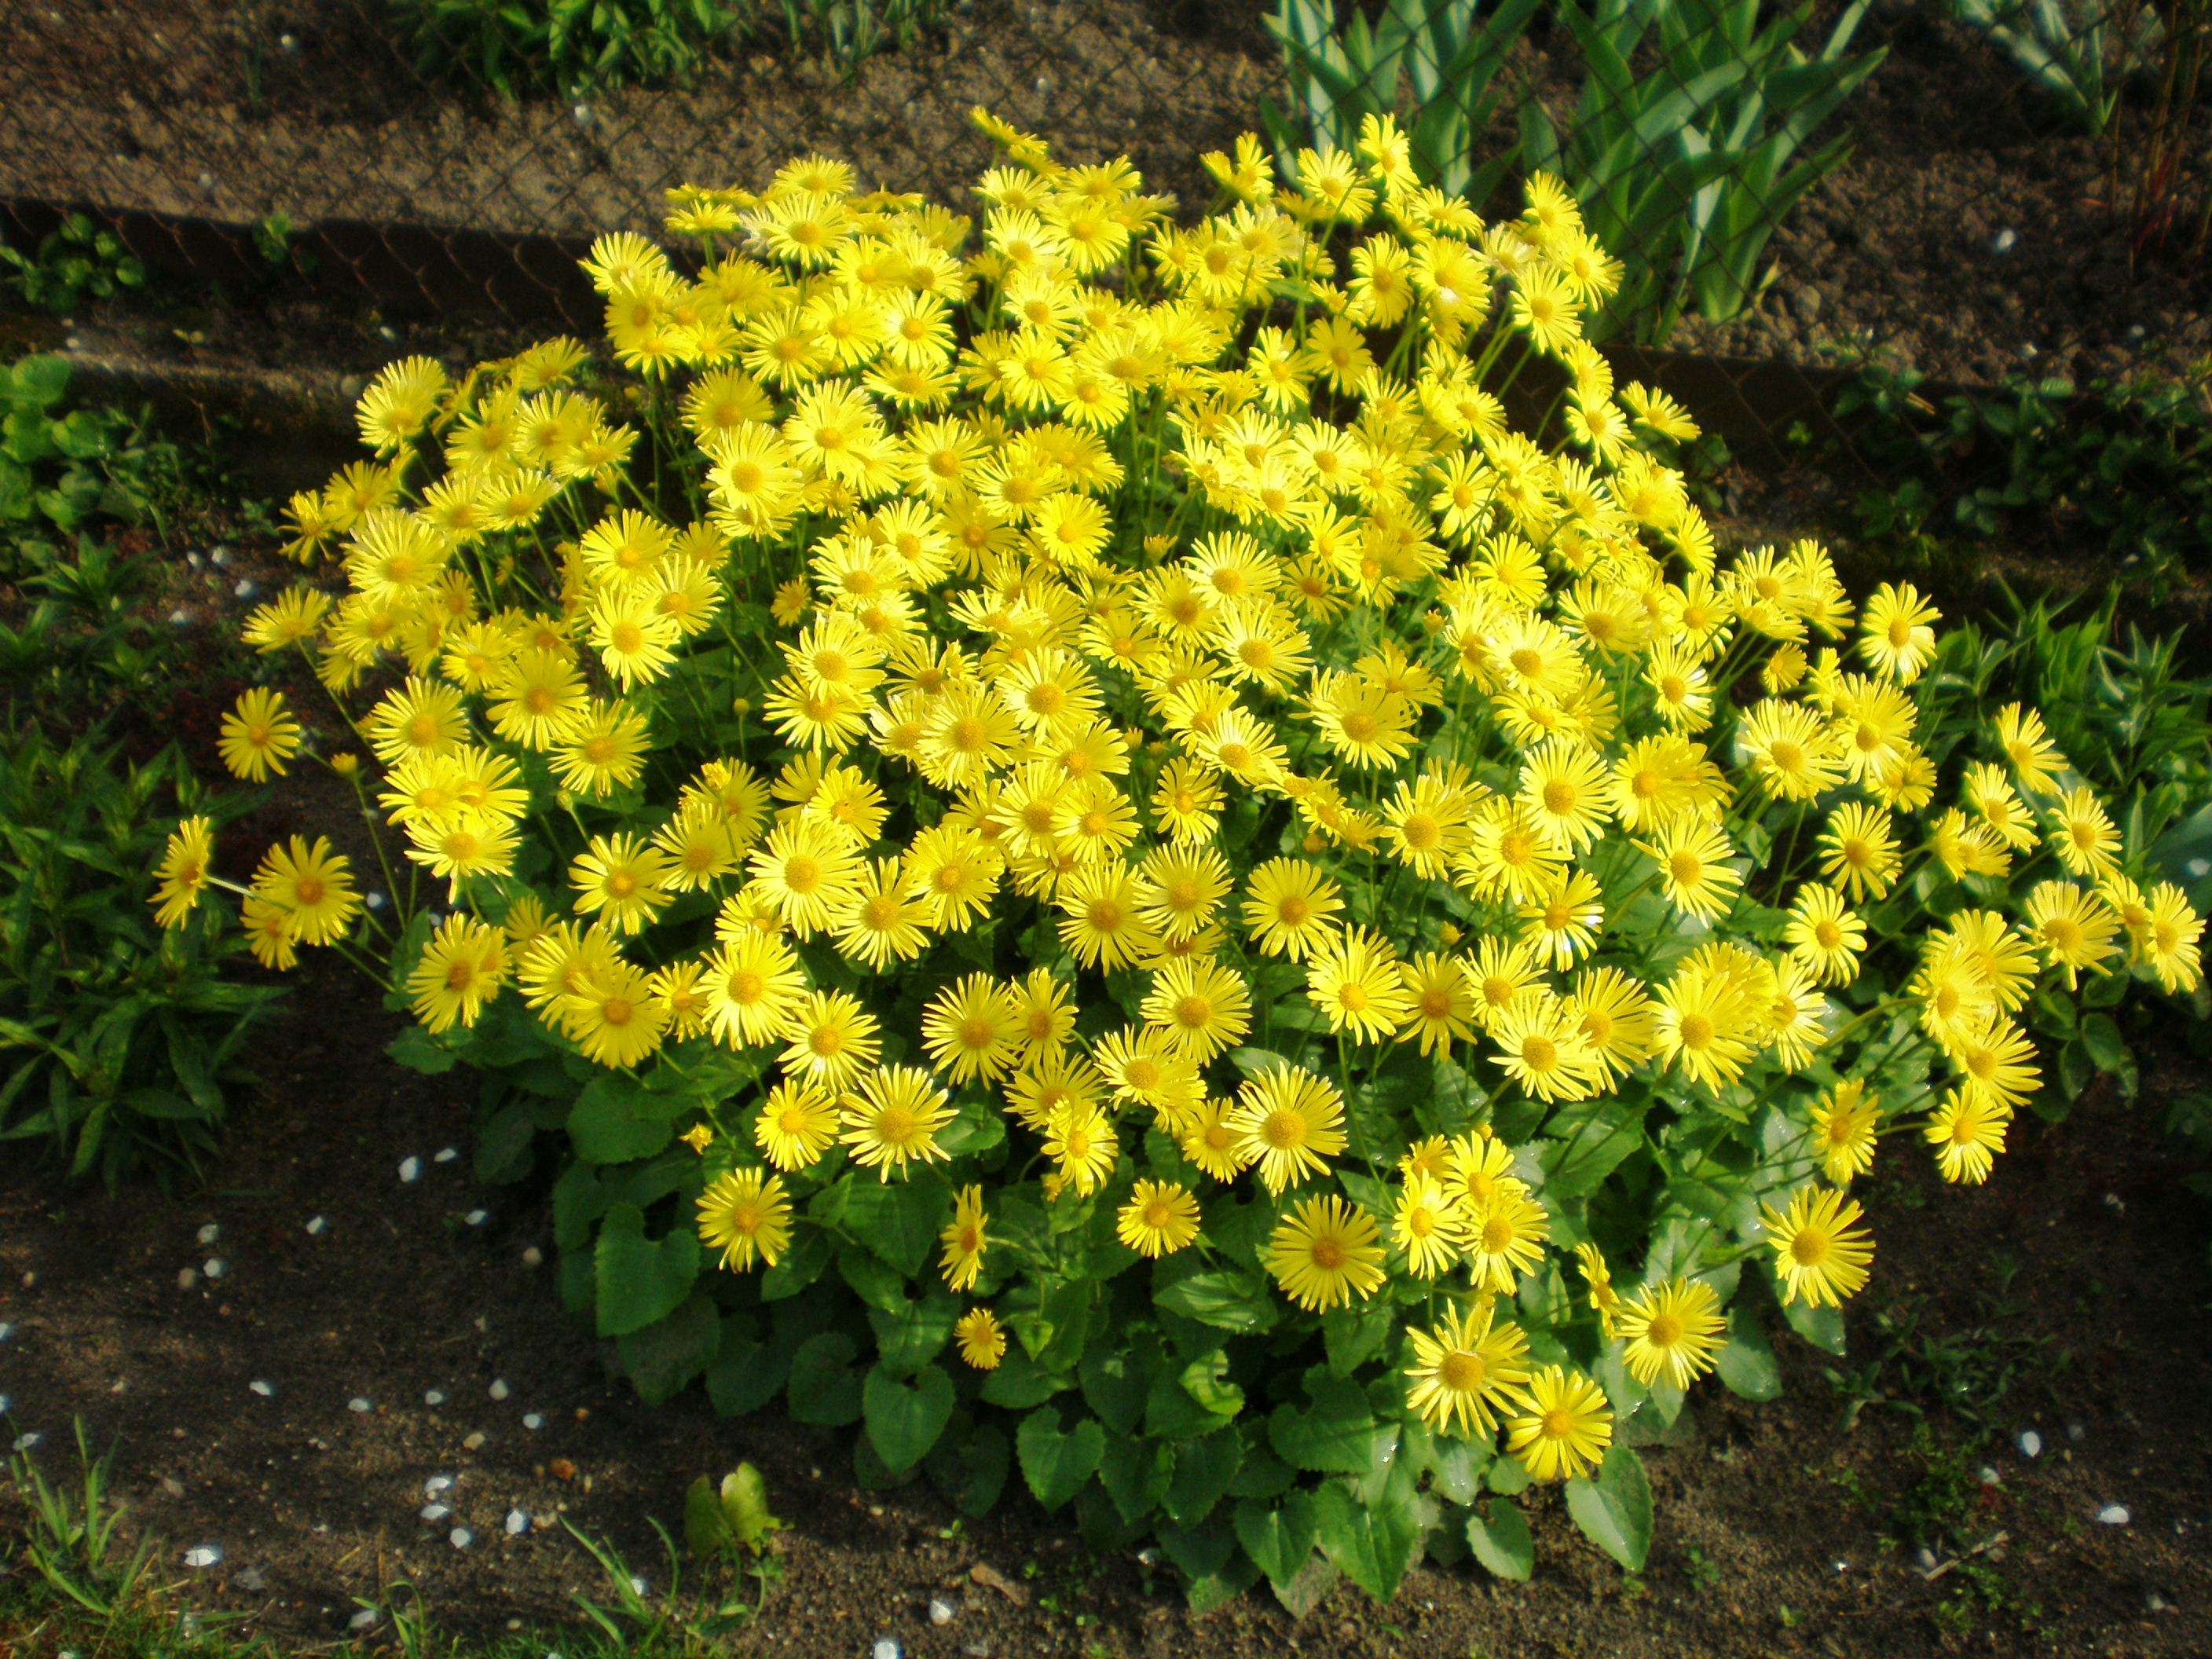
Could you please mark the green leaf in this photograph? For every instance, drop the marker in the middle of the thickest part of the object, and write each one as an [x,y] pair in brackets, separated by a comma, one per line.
[2101,1037]
[1500,1541]
[615,1121]
[1338,1435]
[1614,1510]
[663,1357]
[1020,1382]
[910,1336]
[745,1508]
[1372,1544]
[1203,1469]
[745,1375]
[905,1418]
[418,1051]
[1747,1366]
[1227,1300]
[1116,1380]
[638,1280]
[972,1469]
[1278,1536]
[706,1529]
[824,1388]
[1056,1462]
[899,1220]
[1135,1472]
[1822,1326]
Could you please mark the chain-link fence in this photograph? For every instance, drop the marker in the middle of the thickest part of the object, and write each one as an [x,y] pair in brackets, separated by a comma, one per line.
[1985,186]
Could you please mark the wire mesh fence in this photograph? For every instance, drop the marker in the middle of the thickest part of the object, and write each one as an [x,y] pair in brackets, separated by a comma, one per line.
[1990,186]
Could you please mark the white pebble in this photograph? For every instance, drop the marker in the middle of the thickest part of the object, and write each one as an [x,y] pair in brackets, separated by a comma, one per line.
[25,1442]
[6,1400]
[410,1168]
[473,1442]
[533,1420]
[210,1233]
[2114,1515]
[518,1522]
[499,1389]
[358,1403]
[940,1610]
[460,1538]
[477,1218]
[886,1647]
[180,617]
[214,1267]
[220,556]
[533,1257]
[1925,1560]
[203,1555]
[434,1397]
[264,1387]
[2004,241]
[363,1619]
[434,1513]
[1990,1476]
[374,899]
[246,587]
[2076,1433]
[438,1483]
[316,1225]
[447,1154]
[637,1582]
[2031,1443]
[7,1330]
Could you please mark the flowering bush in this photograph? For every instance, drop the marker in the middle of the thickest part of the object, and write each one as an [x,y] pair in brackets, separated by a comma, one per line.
[1105,871]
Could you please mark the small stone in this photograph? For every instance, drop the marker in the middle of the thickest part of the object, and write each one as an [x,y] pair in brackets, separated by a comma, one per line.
[886,1647]
[562,1469]
[214,1267]
[251,1579]
[940,1610]
[180,617]
[1990,1476]
[373,898]
[203,1555]
[2114,1515]
[474,1443]
[518,1522]
[436,1484]
[2003,242]
[363,1619]
[2076,1433]
[433,1513]
[499,1390]
[25,1442]
[316,1226]
[476,1218]
[1805,300]
[447,1154]
[359,1403]
[533,1257]
[533,1420]
[264,1387]
[387,332]
[434,1397]
[1925,1560]
[187,1277]
[172,1486]
[288,42]
[209,1234]
[410,1169]
[2031,1443]
[460,1538]
[2153,1602]
[246,587]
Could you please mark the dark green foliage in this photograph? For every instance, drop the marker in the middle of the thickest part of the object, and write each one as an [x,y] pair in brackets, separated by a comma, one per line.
[119,1040]
[77,261]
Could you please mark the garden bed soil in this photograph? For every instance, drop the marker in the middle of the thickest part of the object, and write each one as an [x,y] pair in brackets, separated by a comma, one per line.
[129,105]
[2083,1258]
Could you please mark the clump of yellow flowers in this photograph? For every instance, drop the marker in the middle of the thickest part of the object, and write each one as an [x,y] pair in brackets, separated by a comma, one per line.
[1086,774]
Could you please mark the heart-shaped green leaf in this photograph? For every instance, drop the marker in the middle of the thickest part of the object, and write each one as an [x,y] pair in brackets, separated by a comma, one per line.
[1056,1462]
[905,1418]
